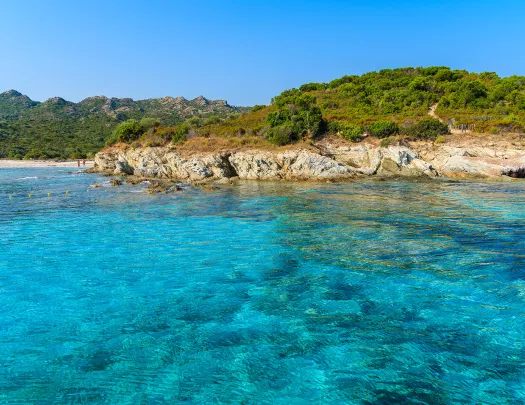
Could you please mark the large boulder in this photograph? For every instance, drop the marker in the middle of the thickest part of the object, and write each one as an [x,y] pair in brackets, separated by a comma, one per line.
[105,162]
[306,165]
[122,167]
[256,165]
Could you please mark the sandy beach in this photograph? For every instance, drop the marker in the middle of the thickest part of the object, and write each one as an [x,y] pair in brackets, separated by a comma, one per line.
[6,163]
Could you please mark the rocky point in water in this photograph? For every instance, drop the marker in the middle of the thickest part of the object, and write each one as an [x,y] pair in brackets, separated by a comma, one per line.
[324,161]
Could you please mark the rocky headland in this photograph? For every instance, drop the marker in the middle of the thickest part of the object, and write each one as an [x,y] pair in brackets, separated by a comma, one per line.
[327,160]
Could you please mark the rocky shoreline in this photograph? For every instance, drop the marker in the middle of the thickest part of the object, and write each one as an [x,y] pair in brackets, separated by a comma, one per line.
[323,161]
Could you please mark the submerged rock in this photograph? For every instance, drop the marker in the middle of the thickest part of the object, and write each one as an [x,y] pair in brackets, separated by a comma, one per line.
[162,186]
[134,180]
[209,187]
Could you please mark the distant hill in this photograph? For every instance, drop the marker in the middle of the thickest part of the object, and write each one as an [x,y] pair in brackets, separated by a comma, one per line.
[57,128]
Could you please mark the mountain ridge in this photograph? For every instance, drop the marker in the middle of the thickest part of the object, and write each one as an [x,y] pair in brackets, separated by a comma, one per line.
[15,105]
[57,128]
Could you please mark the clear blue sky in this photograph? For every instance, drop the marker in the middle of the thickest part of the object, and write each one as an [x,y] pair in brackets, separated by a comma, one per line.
[243,51]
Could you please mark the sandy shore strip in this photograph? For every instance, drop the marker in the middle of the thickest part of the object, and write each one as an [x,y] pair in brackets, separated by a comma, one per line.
[6,163]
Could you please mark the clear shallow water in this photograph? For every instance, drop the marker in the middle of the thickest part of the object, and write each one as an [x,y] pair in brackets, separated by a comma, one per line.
[266,293]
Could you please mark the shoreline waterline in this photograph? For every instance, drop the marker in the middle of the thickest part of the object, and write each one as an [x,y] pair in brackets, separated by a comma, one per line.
[11,164]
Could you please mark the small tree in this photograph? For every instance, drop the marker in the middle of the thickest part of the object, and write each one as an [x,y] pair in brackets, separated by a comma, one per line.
[148,123]
[128,131]
[297,114]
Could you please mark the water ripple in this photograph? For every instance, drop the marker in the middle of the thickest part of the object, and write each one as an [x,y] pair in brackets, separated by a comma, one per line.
[264,293]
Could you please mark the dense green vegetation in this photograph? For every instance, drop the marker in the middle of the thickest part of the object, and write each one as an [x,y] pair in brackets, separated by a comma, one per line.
[59,129]
[61,139]
[132,130]
[378,104]
[404,96]
[296,115]
[385,103]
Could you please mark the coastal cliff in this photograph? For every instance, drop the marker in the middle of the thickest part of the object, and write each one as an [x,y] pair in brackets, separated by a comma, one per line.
[328,161]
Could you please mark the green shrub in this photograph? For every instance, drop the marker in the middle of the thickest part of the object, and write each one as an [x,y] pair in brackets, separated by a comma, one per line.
[281,135]
[212,120]
[382,129]
[296,115]
[447,75]
[257,107]
[128,131]
[112,140]
[420,83]
[351,132]
[471,92]
[148,123]
[312,86]
[426,129]
[440,139]
[195,122]
[180,133]
[338,82]
[521,103]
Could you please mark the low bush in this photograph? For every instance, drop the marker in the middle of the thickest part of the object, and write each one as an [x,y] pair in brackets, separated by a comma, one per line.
[212,120]
[281,135]
[426,129]
[350,132]
[180,133]
[383,129]
[195,122]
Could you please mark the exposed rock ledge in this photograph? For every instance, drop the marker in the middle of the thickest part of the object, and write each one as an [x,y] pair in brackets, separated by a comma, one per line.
[326,162]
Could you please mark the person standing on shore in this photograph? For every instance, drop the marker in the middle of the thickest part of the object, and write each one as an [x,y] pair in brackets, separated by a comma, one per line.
[78,163]
[84,162]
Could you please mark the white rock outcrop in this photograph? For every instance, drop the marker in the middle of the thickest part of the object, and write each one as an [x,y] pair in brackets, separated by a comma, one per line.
[327,162]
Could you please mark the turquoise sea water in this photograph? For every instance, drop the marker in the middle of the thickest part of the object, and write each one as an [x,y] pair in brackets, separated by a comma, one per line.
[264,293]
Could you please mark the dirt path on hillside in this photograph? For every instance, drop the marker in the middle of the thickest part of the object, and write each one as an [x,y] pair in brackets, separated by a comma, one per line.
[432,113]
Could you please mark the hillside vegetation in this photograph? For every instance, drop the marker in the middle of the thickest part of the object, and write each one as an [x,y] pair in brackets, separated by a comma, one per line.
[61,129]
[378,104]
[391,102]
